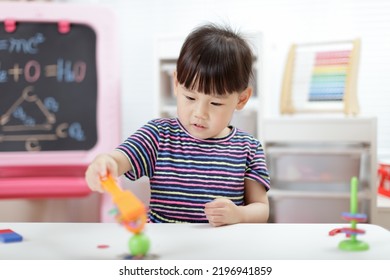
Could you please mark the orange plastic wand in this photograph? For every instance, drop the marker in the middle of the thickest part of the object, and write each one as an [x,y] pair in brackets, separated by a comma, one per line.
[132,212]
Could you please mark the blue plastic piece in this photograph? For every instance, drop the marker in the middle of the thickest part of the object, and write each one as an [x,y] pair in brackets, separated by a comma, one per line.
[8,236]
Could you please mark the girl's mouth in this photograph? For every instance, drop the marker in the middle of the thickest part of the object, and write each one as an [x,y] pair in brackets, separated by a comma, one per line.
[199,126]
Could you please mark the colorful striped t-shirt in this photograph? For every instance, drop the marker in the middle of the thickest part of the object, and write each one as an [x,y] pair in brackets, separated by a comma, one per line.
[186,172]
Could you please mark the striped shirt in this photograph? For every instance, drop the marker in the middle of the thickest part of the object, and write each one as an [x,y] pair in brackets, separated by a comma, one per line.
[186,172]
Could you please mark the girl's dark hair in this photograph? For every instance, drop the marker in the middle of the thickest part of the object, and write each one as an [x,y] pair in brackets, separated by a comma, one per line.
[215,60]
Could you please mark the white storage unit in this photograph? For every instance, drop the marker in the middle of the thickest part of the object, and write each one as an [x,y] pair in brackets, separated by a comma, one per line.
[382,213]
[167,51]
[312,160]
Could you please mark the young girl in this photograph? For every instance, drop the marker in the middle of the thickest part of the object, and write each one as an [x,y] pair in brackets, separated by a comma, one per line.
[201,169]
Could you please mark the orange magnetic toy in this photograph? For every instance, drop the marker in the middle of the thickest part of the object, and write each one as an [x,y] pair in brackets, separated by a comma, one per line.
[131,211]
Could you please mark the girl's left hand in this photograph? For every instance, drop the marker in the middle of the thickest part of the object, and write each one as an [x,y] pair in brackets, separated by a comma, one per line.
[222,211]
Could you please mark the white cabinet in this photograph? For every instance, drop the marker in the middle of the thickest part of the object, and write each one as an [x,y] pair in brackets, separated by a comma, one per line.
[382,213]
[167,52]
[312,160]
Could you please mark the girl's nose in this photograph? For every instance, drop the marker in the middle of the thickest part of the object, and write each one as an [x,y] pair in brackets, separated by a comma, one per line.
[201,111]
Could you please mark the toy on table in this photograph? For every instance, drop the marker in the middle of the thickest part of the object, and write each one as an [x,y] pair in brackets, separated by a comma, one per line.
[352,244]
[131,213]
[8,236]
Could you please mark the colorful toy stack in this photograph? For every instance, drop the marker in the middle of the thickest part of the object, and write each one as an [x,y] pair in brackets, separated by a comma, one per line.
[131,213]
[352,244]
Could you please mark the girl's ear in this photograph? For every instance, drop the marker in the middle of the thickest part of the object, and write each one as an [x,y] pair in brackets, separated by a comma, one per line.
[175,83]
[243,98]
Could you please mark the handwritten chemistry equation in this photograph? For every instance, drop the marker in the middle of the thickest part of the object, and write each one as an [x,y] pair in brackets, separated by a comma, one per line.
[48,89]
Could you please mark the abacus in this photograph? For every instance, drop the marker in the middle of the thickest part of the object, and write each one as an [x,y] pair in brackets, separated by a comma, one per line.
[321,77]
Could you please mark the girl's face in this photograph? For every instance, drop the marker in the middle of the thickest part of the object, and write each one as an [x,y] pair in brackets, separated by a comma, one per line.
[207,116]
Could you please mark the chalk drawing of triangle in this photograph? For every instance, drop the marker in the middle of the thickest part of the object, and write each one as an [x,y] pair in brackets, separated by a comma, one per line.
[27,96]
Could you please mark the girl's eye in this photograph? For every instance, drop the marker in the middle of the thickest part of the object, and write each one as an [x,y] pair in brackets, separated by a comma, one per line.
[190,98]
[216,104]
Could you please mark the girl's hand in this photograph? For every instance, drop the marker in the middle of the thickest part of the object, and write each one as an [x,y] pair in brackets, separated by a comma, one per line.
[222,211]
[100,167]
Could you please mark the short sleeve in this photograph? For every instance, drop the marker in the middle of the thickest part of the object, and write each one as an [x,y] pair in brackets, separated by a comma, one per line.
[141,150]
[257,167]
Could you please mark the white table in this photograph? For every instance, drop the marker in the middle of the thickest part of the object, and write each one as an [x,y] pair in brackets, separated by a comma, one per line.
[79,241]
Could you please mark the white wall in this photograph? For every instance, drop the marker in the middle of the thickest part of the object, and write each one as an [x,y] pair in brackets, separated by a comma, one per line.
[282,22]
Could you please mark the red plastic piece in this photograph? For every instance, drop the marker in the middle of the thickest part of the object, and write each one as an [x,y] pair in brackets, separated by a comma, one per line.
[347,231]
[384,179]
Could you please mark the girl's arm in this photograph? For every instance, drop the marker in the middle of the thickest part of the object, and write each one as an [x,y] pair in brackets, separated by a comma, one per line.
[256,209]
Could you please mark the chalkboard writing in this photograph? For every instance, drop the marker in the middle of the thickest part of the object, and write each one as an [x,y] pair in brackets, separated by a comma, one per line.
[48,88]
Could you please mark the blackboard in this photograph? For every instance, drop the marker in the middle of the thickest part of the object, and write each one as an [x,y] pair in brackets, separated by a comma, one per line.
[48,88]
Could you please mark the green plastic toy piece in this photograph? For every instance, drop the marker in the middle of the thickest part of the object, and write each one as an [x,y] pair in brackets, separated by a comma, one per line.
[352,244]
[139,244]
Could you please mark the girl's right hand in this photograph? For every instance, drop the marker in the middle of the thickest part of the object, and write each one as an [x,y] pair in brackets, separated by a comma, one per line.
[100,167]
